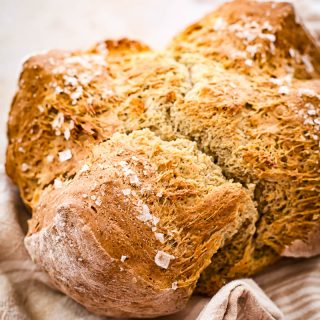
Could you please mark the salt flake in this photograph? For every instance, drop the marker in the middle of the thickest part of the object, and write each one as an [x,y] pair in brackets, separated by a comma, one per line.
[24,167]
[65,155]
[162,259]
[57,183]
[159,236]
[174,285]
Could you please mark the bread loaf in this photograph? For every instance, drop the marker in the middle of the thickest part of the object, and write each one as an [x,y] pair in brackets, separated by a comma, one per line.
[151,175]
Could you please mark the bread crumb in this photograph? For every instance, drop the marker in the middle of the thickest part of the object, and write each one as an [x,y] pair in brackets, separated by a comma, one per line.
[65,155]
[162,259]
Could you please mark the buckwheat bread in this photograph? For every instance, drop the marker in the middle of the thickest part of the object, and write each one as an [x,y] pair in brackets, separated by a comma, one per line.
[99,146]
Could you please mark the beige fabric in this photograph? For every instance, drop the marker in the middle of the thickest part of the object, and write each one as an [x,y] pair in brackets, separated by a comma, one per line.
[238,299]
[25,291]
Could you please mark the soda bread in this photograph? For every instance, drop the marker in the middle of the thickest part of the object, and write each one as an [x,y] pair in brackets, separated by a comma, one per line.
[153,175]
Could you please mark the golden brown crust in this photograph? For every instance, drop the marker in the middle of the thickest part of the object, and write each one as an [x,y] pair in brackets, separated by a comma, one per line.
[252,37]
[245,87]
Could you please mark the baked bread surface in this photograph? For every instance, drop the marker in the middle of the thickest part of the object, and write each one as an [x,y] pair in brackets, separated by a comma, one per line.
[127,214]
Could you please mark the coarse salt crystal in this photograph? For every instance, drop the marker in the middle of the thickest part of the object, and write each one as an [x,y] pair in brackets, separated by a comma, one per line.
[41,108]
[71,124]
[292,52]
[123,258]
[145,215]
[84,168]
[77,94]
[159,194]
[85,196]
[134,158]
[90,100]
[276,81]
[66,134]
[307,63]
[306,92]
[58,90]
[155,220]
[65,155]
[123,163]
[162,259]
[70,80]
[93,197]
[283,90]
[126,192]
[268,36]
[50,157]
[21,149]
[174,285]
[159,236]
[58,121]
[134,180]
[312,112]
[24,167]
[219,24]
[57,183]
[98,202]
[248,62]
